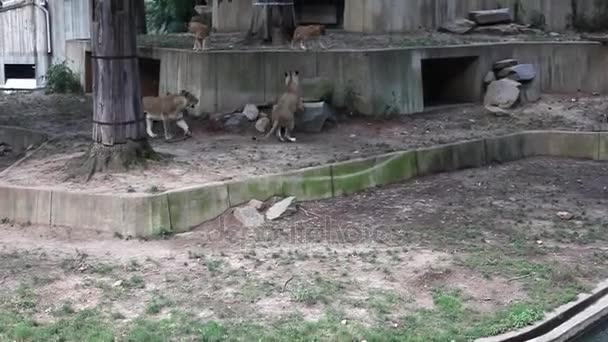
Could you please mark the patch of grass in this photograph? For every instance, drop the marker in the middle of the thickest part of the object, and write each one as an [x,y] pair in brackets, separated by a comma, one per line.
[25,298]
[157,304]
[448,303]
[102,268]
[213,265]
[134,282]
[319,291]
[382,303]
[65,310]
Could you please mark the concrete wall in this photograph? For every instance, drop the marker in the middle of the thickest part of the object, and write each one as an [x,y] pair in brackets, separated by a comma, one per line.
[375,82]
[71,20]
[376,16]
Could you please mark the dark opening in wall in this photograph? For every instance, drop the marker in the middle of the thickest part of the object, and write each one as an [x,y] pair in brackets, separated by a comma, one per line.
[326,12]
[149,75]
[449,80]
[21,71]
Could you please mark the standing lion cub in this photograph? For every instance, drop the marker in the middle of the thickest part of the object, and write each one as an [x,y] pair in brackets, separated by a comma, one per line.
[168,108]
[201,34]
[283,113]
[305,33]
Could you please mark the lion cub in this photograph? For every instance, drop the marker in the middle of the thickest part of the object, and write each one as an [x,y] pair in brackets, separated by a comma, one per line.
[168,108]
[201,34]
[283,113]
[304,33]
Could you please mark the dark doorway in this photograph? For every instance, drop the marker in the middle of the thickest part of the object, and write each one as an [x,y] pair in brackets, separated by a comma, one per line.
[149,75]
[325,12]
[20,71]
[449,81]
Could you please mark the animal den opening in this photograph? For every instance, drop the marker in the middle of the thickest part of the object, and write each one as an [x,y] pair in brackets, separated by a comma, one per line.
[448,81]
[149,75]
[325,12]
[19,76]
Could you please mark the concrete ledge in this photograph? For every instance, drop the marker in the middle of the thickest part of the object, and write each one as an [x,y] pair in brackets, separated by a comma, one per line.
[191,207]
[306,184]
[451,157]
[356,175]
[25,205]
[185,209]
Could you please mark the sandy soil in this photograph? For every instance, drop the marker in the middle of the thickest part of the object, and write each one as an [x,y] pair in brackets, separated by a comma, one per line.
[377,257]
[212,156]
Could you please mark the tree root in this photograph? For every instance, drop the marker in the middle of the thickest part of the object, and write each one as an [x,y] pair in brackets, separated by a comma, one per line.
[119,158]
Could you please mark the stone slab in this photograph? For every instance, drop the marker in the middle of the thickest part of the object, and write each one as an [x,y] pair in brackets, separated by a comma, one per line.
[146,216]
[578,145]
[25,205]
[357,175]
[307,184]
[504,149]
[193,206]
[488,17]
[603,146]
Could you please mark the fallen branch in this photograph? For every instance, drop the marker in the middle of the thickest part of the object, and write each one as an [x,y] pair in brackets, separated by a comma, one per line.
[287,283]
[519,278]
[309,213]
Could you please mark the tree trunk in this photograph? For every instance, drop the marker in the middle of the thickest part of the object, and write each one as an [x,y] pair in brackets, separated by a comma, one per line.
[119,131]
[141,17]
[272,22]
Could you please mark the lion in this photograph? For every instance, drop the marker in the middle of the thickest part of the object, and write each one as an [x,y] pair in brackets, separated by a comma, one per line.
[283,113]
[304,33]
[201,34]
[168,108]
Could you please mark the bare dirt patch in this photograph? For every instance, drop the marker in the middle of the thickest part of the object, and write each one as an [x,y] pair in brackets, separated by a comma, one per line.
[212,156]
[455,255]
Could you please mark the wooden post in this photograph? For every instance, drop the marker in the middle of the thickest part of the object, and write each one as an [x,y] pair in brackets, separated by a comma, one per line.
[141,17]
[119,131]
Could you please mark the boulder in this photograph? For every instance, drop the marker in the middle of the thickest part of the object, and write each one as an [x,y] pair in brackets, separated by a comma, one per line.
[458,26]
[249,216]
[491,17]
[314,117]
[502,93]
[505,63]
[519,73]
[262,125]
[489,78]
[530,92]
[279,208]
[251,111]
[317,89]
[236,123]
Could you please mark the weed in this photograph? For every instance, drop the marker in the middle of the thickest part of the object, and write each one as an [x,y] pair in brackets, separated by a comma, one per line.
[60,79]
[156,304]
[134,282]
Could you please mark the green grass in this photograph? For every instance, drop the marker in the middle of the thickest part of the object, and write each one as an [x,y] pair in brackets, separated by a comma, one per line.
[319,291]
[157,304]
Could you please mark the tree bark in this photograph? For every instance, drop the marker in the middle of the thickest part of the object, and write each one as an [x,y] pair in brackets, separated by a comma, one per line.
[119,131]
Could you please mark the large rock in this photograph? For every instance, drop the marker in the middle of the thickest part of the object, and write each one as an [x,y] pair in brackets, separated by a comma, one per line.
[236,123]
[489,78]
[458,26]
[277,210]
[251,111]
[249,216]
[530,92]
[262,125]
[519,73]
[317,89]
[505,63]
[314,117]
[491,17]
[502,93]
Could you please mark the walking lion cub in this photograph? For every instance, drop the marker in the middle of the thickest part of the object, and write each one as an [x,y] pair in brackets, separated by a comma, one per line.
[168,108]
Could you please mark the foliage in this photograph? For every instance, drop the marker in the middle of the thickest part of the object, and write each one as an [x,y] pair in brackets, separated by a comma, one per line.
[168,14]
[60,79]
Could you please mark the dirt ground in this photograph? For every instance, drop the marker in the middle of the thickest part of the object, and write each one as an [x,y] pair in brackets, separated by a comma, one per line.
[442,258]
[340,40]
[212,156]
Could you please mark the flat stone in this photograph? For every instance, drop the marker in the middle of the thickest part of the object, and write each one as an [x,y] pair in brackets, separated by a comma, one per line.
[530,92]
[254,203]
[519,73]
[314,117]
[251,111]
[236,123]
[489,17]
[505,63]
[489,78]
[458,26]
[249,216]
[277,210]
[262,125]
[502,93]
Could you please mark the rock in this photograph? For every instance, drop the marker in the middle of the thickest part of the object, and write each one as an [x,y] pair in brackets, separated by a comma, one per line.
[202,9]
[262,125]
[249,216]
[502,93]
[344,322]
[117,284]
[317,89]
[279,208]
[565,216]
[252,112]
[499,30]
[490,77]
[236,123]
[519,73]
[505,63]
[314,117]
[254,203]
[263,115]
[458,26]
[530,92]
[554,34]
[490,17]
